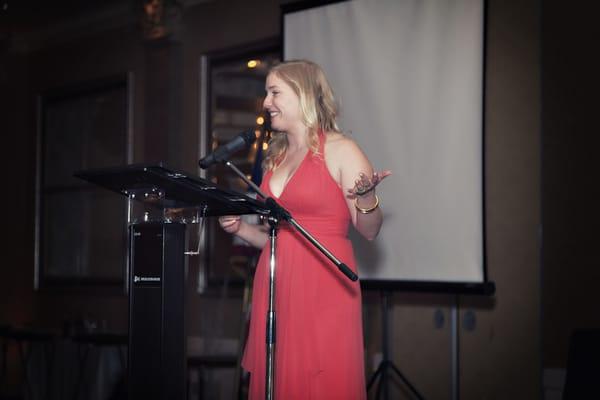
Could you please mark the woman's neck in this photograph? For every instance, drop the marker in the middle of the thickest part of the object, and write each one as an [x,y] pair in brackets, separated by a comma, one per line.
[297,139]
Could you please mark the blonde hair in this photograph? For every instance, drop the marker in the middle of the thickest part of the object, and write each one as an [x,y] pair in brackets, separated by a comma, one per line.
[317,104]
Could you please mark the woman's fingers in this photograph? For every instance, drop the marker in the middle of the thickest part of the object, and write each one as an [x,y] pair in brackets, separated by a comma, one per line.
[384,174]
[365,184]
[230,223]
[228,220]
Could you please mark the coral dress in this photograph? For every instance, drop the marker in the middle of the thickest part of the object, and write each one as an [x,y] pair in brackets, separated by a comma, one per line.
[319,340]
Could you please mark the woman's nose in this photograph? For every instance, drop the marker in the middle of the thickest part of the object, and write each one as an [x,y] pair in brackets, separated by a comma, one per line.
[266,102]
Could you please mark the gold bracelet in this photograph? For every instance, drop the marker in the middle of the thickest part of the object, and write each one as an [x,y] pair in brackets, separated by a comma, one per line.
[366,210]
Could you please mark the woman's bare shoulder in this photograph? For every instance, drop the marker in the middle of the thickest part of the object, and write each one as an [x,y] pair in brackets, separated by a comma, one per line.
[339,143]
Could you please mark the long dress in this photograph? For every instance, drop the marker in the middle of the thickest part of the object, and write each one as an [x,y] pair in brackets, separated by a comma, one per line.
[319,341]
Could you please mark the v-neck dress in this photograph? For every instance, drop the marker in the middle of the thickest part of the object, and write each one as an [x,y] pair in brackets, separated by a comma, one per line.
[319,341]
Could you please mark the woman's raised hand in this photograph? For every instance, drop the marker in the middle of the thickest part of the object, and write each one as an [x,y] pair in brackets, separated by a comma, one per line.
[364,184]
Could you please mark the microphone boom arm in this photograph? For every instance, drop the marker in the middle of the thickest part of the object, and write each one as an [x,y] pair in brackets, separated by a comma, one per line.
[281,213]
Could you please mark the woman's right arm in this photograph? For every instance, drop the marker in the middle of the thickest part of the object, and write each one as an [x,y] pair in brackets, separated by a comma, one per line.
[256,235]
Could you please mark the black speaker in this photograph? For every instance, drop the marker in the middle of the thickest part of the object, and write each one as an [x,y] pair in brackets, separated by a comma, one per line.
[157,364]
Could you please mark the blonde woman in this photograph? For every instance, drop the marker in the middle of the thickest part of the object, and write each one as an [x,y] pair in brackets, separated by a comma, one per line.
[326,182]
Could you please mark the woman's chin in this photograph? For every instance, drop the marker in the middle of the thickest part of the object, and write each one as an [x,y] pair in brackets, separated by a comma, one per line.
[277,127]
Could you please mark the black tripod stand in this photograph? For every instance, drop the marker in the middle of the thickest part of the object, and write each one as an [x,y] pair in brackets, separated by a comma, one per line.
[386,363]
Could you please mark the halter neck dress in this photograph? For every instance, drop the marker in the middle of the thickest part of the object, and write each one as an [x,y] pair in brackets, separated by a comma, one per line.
[319,341]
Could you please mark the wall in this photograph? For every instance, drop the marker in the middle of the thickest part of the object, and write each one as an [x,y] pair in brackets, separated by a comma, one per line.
[570,210]
[501,358]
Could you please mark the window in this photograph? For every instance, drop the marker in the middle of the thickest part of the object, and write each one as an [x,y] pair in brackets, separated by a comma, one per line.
[233,88]
[80,229]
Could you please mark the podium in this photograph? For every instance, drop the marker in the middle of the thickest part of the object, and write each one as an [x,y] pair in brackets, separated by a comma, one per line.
[156,354]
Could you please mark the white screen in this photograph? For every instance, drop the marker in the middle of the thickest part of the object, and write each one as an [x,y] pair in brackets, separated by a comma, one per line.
[408,75]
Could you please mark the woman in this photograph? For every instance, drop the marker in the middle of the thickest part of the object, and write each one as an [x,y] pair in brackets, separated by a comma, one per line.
[325,181]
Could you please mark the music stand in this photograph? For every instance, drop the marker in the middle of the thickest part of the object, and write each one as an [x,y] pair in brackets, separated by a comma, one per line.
[156,345]
[163,188]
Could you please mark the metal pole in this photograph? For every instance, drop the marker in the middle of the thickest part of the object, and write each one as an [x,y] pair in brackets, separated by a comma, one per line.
[269,387]
[454,320]
[386,356]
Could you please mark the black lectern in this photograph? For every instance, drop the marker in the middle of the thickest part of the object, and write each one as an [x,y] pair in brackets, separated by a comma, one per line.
[157,356]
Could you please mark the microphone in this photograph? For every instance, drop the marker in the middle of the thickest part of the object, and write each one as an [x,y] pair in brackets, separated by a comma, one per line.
[242,141]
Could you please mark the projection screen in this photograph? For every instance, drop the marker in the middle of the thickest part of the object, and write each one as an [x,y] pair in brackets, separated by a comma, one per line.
[408,75]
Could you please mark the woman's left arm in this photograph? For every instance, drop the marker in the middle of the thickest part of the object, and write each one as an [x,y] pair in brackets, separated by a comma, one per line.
[358,181]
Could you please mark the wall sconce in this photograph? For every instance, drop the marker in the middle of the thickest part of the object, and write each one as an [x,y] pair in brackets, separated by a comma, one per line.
[158,18]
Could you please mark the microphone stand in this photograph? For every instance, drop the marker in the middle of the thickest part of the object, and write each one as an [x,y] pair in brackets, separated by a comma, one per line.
[277,214]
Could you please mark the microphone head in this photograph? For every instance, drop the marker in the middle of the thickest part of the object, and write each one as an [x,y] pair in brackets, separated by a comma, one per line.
[242,141]
[249,137]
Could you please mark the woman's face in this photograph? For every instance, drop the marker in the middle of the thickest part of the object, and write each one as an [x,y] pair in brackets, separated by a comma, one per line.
[282,104]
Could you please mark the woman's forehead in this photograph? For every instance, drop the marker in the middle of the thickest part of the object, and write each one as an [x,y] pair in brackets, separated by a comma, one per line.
[274,81]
